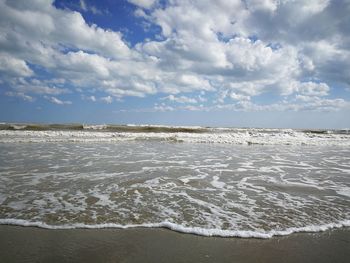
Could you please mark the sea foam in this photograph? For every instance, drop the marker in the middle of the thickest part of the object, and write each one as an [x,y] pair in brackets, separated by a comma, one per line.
[138,180]
[185,229]
[251,137]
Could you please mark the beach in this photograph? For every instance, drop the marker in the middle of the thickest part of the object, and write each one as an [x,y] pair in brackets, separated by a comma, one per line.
[174,131]
[31,244]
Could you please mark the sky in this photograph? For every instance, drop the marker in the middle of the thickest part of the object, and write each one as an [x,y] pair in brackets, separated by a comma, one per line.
[237,63]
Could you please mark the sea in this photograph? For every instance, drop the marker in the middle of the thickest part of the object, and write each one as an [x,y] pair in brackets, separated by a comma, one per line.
[227,182]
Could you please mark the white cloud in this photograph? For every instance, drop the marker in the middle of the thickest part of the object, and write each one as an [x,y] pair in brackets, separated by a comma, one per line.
[20,95]
[194,108]
[107,99]
[90,8]
[13,66]
[161,107]
[304,98]
[143,3]
[35,86]
[83,5]
[58,101]
[92,98]
[314,6]
[313,89]
[89,98]
[262,5]
[47,27]
[238,97]
[235,50]
[180,99]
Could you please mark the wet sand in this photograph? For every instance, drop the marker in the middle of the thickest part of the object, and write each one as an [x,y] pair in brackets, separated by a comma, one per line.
[31,244]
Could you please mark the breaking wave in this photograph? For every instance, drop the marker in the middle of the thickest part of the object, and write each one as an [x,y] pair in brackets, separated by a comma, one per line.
[231,136]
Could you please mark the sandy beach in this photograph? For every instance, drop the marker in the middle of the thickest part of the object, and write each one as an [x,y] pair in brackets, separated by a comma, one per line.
[31,244]
[174,131]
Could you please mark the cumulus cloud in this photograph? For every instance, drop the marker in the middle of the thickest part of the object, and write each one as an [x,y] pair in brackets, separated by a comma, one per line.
[12,66]
[313,89]
[46,29]
[58,101]
[107,99]
[92,98]
[160,107]
[300,103]
[181,99]
[35,86]
[235,50]
[20,95]
[238,97]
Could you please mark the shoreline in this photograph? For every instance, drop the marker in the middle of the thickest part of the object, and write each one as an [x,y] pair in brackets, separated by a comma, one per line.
[184,230]
[33,244]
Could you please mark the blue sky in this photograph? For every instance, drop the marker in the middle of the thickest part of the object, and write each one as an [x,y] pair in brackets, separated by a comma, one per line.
[252,63]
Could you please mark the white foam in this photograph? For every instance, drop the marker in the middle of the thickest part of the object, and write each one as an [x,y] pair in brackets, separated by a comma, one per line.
[236,137]
[18,127]
[165,126]
[185,229]
[94,127]
[17,205]
[344,191]
[185,180]
[216,183]
[207,190]
[152,182]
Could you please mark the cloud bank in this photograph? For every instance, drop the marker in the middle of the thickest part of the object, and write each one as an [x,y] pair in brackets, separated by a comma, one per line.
[210,55]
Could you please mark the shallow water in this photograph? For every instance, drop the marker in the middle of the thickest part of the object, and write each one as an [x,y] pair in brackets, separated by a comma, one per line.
[208,189]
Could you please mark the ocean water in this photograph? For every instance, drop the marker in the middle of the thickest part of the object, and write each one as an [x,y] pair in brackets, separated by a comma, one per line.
[206,181]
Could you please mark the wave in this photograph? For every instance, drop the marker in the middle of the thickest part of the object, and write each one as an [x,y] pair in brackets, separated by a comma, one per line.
[251,137]
[160,129]
[184,229]
[40,127]
[103,127]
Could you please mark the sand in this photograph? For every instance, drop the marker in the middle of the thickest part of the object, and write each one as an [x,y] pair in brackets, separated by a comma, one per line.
[31,244]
